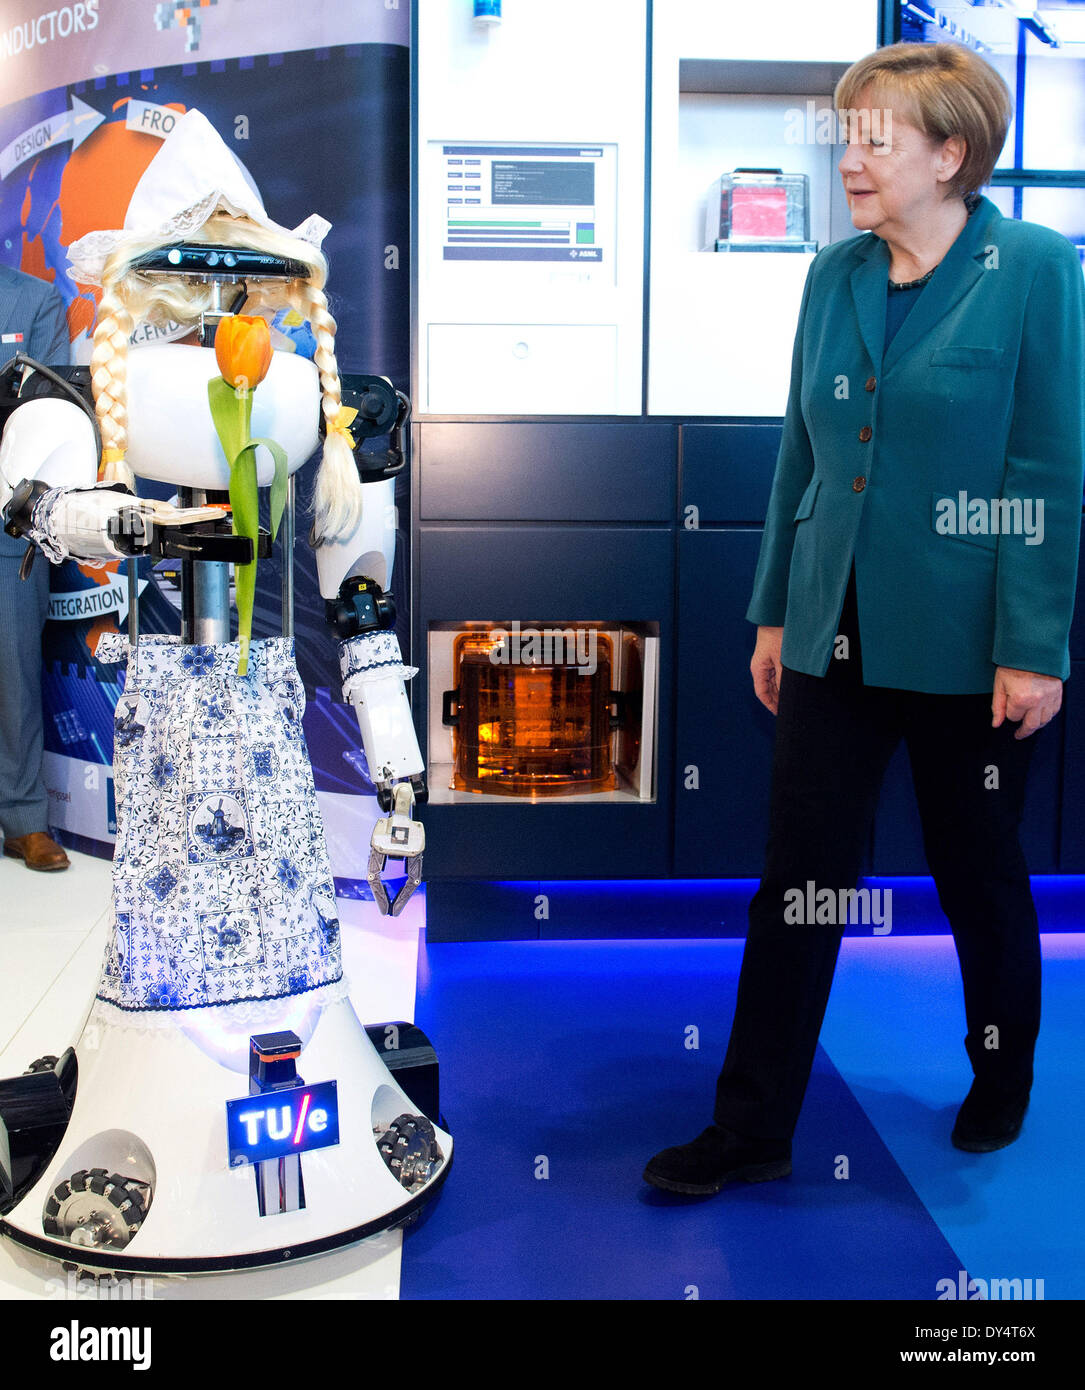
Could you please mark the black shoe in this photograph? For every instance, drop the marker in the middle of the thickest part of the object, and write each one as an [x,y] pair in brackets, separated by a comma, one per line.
[988,1119]
[715,1157]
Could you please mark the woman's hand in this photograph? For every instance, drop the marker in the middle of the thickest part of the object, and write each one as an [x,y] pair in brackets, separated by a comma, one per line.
[765,666]
[1024,695]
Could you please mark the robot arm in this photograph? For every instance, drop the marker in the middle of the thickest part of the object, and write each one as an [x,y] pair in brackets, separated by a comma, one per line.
[48,433]
[49,453]
[48,466]
[95,525]
[353,571]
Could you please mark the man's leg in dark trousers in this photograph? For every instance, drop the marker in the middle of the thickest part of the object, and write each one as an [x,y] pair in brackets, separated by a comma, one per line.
[834,738]
[23,606]
[970,785]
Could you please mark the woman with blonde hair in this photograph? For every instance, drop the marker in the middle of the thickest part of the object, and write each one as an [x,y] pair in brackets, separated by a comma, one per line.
[936,405]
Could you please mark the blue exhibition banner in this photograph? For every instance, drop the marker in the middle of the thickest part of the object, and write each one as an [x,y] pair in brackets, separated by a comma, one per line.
[324,130]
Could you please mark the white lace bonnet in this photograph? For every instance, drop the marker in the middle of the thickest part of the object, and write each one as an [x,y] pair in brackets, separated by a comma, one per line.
[193,175]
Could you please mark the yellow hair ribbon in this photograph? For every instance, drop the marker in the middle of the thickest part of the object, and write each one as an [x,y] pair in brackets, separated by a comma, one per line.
[110,457]
[341,424]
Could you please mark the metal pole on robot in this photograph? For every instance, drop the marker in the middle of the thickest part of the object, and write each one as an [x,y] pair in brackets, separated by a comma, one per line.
[210,597]
[286,531]
[133,602]
[205,587]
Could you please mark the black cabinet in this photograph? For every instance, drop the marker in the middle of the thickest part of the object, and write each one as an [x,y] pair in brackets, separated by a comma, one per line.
[723,735]
[1077,627]
[726,473]
[1072,827]
[643,522]
[549,522]
[545,471]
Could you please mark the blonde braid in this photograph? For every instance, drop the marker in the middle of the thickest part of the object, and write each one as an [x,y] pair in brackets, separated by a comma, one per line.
[109,380]
[337,497]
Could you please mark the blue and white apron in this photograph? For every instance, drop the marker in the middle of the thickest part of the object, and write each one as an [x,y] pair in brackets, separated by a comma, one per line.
[222,890]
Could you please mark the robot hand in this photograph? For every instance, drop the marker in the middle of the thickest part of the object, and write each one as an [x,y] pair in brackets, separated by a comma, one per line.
[397,836]
[373,675]
[352,572]
[94,524]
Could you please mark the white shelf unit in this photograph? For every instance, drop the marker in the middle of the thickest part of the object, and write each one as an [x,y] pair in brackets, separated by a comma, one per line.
[740,92]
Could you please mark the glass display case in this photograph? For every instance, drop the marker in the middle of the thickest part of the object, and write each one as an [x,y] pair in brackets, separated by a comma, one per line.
[759,210]
[528,709]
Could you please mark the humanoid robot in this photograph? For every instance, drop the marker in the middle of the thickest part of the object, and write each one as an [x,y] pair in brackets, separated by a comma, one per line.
[222,984]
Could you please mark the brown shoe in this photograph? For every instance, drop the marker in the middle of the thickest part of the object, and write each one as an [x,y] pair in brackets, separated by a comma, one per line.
[37,851]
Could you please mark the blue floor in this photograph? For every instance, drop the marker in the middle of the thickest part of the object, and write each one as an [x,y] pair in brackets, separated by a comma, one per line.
[895,1029]
[565,1066]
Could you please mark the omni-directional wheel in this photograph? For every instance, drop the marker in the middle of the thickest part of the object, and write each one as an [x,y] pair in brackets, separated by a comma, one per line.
[42,1064]
[96,1208]
[410,1149]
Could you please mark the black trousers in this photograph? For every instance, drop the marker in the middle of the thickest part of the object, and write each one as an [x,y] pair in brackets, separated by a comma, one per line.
[834,738]
[24,806]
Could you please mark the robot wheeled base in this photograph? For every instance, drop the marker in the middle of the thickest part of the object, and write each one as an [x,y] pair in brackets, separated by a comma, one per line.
[128,1153]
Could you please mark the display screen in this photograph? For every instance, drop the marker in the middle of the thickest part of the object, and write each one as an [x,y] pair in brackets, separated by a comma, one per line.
[521,202]
[542,182]
[277,1123]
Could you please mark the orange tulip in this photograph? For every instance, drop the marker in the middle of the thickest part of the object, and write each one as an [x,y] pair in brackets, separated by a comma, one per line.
[243,350]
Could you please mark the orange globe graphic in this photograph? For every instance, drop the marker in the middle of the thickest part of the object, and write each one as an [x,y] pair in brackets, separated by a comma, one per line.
[95,189]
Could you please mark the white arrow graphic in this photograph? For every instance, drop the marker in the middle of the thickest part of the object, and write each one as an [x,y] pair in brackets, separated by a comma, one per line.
[74,125]
[82,605]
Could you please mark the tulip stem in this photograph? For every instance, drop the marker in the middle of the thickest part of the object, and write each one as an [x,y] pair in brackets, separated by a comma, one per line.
[243,352]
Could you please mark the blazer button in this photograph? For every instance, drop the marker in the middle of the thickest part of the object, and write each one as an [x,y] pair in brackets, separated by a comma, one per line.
[858,484]
[871,382]
[865,433]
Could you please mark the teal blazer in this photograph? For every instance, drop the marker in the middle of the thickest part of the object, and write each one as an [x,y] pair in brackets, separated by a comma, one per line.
[949,470]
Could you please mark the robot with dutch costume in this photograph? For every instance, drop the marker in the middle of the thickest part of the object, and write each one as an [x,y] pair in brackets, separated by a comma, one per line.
[224,965]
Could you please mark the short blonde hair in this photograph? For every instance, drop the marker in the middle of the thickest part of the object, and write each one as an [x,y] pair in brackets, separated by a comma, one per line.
[947,90]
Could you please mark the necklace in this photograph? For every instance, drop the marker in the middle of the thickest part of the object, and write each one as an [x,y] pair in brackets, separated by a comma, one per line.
[913,284]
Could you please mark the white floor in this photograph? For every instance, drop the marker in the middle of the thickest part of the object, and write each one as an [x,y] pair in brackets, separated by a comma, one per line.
[52,936]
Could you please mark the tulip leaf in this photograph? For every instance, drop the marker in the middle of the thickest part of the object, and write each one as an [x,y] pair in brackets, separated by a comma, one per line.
[231,413]
[245,502]
[278,483]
